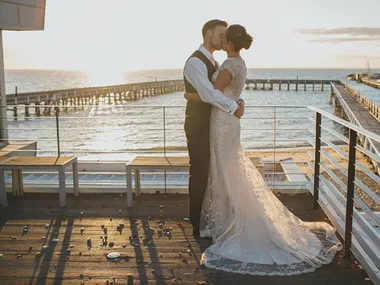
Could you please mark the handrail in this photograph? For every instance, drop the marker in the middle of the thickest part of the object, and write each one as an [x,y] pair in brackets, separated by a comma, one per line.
[359,236]
[347,124]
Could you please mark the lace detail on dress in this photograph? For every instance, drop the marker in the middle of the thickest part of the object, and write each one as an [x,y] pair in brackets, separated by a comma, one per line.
[206,233]
[235,66]
[252,231]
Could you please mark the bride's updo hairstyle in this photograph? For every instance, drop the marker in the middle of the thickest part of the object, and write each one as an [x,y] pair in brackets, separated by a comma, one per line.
[238,35]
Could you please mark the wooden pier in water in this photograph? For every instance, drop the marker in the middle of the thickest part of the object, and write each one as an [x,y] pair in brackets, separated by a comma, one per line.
[80,97]
[287,84]
[371,83]
[43,101]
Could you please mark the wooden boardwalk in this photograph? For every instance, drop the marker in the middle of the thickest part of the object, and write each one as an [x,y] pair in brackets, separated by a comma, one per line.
[33,221]
[372,83]
[80,97]
[363,118]
[298,84]
[67,99]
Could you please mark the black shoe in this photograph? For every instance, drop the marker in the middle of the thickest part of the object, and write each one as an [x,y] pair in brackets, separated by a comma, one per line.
[196,232]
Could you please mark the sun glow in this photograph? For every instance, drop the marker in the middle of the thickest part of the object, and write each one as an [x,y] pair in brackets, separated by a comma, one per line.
[105,76]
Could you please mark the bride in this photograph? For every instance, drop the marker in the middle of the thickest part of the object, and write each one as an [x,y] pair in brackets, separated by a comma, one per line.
[252,231]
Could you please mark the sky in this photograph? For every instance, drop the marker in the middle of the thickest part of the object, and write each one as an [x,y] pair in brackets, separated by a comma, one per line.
[124,35]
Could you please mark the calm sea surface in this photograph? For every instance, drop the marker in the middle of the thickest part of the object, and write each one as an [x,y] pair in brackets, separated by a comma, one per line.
[119,131]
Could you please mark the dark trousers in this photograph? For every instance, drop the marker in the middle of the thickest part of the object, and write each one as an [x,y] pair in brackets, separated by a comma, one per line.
[198,144]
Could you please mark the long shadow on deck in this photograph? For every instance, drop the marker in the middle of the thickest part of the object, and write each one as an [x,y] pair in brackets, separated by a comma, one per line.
[41,264]
[149,266]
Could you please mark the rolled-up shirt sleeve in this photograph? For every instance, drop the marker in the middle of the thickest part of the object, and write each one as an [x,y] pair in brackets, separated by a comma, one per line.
[195,72]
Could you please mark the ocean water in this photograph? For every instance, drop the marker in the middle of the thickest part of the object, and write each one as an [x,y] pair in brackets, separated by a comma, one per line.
[40,80]
[272,118]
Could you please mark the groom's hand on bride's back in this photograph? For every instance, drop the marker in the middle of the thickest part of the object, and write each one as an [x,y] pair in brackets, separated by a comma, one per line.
[240,110]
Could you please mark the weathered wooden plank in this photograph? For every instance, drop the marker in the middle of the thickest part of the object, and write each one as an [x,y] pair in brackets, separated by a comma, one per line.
[57,266]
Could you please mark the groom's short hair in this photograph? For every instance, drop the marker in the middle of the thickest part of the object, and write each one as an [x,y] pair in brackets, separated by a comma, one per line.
[212,24]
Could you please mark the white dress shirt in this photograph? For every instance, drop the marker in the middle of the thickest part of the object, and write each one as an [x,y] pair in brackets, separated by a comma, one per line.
[196,74]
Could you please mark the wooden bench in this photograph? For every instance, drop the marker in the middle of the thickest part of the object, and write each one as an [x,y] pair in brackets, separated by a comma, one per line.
[163,163]
[172,163]
[18,163]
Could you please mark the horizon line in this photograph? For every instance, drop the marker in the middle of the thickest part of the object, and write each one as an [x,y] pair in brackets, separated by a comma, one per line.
[178,68]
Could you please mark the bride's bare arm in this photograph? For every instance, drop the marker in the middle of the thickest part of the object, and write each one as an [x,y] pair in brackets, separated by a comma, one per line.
[223,79]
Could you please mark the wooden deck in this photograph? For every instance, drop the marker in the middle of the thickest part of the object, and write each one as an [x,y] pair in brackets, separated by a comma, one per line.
[149,257]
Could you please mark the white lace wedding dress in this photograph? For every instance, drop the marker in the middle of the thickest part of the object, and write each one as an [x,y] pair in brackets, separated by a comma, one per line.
[252,231]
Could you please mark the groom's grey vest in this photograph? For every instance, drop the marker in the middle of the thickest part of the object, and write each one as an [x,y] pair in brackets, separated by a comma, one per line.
[199,111]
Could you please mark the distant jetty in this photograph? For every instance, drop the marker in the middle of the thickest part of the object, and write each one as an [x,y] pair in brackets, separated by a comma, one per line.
[44,101]
[359,76]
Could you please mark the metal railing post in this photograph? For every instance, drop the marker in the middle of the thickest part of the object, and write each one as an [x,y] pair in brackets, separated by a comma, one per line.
[274,146]
[57,127]
[164,121]
[350,192]
[15,108]
[317,158]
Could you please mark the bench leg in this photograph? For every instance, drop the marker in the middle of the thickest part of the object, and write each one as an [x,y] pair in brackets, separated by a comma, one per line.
[62,187]
[137,182]
[75,178]
[3,192]
[129,186]
[17,183]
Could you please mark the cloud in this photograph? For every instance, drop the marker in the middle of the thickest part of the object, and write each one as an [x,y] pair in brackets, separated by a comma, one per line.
[343,35]
[344,40]
[349,31]
[354,56]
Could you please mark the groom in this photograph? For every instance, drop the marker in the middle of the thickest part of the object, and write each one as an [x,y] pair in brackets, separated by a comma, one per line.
[198,72]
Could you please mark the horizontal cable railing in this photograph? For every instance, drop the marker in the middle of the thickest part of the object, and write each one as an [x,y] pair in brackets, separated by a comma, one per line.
[154,129]
[148,126]
[347,189]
